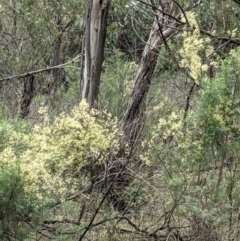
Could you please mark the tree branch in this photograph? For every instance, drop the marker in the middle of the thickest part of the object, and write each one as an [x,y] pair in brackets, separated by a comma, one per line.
[20,76]
[188,101]
[237,1]
[161,11]
[90,224]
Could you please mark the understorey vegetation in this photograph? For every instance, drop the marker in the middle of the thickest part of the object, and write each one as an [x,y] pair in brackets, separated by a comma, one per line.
[119,120]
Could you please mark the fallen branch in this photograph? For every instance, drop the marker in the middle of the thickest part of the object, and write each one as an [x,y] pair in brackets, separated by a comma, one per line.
[19,76]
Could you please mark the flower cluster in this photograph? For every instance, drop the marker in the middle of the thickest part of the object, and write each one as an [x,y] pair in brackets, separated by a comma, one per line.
[193,45]
[50,154]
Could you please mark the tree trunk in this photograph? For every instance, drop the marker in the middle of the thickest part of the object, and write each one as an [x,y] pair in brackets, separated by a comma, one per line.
[133,118]
[27,96]
[160,31]
[57,74]
[95,35]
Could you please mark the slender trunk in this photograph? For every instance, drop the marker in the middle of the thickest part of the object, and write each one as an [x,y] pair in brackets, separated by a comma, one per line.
[133,118]
[12,4]
[87,62]
[92,31]
[95,84]
[134,114]
[56,73]
[95,35]
[27,96]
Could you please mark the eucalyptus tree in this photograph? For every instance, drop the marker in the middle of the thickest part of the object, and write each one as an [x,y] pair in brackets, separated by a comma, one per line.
[220,26]
[196,164]
[95,35]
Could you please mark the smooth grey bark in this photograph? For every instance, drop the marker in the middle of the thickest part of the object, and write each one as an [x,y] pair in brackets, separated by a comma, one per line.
[95,35]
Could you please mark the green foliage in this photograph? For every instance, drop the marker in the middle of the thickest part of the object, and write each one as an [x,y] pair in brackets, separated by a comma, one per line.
[61,148]
[11,133]
[189,167]
[164,63]
[43,166]
[201,153]
[66,97]
[35,35]
[77,138]
[194,45]
[16,206]
[129,27]
[117,80]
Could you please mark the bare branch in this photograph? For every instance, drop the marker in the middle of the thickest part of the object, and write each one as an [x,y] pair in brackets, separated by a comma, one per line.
[160,10]
[30,73]
[188,101]
[90,224]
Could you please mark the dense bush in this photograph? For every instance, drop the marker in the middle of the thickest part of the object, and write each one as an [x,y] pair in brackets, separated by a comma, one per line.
[43,165]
